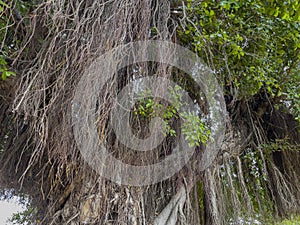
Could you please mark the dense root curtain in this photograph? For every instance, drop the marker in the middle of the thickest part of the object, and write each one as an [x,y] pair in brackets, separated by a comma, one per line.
[62,38]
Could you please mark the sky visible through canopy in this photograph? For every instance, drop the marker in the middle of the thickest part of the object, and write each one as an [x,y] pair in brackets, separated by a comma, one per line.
[7,208]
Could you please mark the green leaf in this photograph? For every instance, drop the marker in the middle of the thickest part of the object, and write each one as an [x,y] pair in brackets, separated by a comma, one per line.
[2,61]
[6,74]
[10,73]
[3,76]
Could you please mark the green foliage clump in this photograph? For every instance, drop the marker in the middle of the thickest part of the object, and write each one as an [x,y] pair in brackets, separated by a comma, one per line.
[280,145]
[5,73]
[256,176]
[12,20]
[294,220]
[25,217]
[194,129]
[252,45]
[3,30]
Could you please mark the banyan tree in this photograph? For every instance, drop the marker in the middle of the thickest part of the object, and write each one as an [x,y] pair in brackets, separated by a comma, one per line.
[50,95]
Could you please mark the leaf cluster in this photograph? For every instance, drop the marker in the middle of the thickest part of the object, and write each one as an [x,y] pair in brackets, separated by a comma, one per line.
[252,45]
[193,127]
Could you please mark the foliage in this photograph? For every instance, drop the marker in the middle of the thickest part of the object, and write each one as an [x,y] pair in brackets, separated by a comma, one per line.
[256,178]
[194,129]
[3,30]
[252,45]
[5,73]
[294,220]
[280,145]
[13,16]
[25,217]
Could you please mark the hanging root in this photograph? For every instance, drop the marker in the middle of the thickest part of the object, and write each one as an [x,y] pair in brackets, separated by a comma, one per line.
[63,38]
